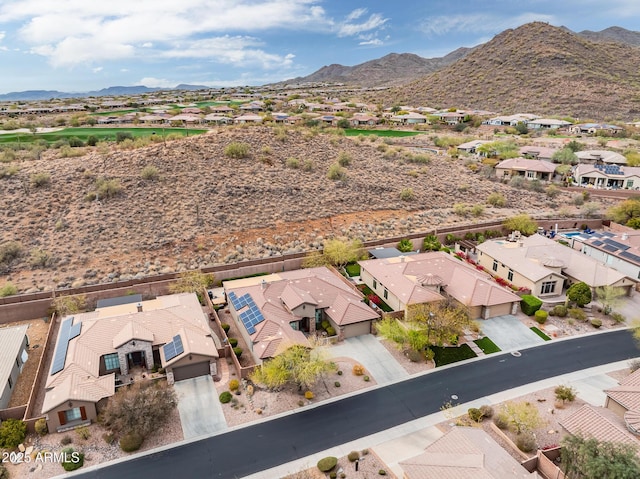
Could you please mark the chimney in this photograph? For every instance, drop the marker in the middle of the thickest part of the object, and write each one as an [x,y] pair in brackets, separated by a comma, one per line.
[139,306]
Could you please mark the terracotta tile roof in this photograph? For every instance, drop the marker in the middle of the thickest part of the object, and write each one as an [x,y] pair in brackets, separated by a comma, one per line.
[627,394]
[77,387]
[525,164]
[132,330]
[346,310]
[599,423]
[464,453]
[294,297]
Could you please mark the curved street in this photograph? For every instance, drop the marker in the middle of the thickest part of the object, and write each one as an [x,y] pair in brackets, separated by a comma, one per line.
[262,446]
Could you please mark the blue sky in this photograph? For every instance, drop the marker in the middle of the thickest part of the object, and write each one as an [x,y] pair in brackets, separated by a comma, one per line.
[81,45]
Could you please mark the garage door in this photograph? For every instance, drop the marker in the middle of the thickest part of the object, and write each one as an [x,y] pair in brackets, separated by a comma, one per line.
[357,329]
[191,371]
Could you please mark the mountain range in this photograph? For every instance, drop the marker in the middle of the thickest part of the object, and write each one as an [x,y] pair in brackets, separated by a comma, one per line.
[31,95]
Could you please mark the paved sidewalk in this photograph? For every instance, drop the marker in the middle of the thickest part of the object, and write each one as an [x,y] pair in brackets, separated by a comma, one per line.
[367,350]
[407,440]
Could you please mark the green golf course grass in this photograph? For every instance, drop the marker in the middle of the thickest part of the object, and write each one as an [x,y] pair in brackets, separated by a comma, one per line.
[392,133]
[102,134]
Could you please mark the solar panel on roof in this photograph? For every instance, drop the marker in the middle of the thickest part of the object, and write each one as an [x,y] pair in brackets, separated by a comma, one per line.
[68,331]
[610,248]
[177,341]
[630,256]
[607,234]
[174,348]
[621,246]
[597,243]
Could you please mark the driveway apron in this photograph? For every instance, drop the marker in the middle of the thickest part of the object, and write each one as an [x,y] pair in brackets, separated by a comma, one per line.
[199,407]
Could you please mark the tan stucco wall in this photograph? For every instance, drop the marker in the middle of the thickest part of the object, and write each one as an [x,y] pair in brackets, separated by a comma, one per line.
[53,421]
[614,406]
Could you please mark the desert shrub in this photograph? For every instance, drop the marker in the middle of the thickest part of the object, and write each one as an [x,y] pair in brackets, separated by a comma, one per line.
[9,171]
[226,327]
[12,433]
[40,179]
[580,293]
[565,393]
[150,173]
[75,142]
[307,166]
[72,459]
[496,199]
[339,372]
[108,188]
[382,472]
[237,351]
[66,440]
[293,163]
[475,414]
[237,150]
[634,365]
[541,316]
[366,378]
[233,342]
[333,475]
[337,384]
[596,322]
[109,438]
[358,369]
[92,140]
[477,210]
[530,304]
[8,289]
[336,172]
[123,135]
[39,258]
[501,421]
[577,313]
[41,427]
[225,397]
[234,384]
[617,317]
[353,456]
[486,410]
[526,442]
[131,442]
[309,395]
[326,464]
[83,432]
[560,310]
[331,331]
[414,356]
[407,194]
[344,158]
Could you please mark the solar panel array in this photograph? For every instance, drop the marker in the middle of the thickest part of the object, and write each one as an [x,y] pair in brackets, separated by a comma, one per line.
[173,349]
[630,256]
[610,169]
[597,243]
[68,331]
[611,249]
[616,245]
[249,317]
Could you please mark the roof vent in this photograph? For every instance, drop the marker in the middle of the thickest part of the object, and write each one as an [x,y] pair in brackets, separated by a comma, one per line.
[139,306]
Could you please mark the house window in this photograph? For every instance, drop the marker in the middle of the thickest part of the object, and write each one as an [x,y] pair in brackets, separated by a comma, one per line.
[495,265]
[629,183]
[375,284]
[386,294]
[73,414]
[531,174]
[10,383]
[18,362]
[510,275]
[548,287]
[111,361]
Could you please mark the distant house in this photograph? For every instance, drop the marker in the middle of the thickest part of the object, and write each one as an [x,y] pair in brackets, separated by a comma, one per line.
[281,308]
[97,350]
[547,124]
[511,120]
[544,266]
[221,109]
[13,354]
[464,452]
[452,117]
[185,118]
[410,118]
[538,152]
[601,157]
[607,176]
[363,120]
[423,278]
[593,128]
[526,168]
[247,118]
[471,146]
[217,118]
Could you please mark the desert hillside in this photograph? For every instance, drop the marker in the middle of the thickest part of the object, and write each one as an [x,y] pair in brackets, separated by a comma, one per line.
[204,208]
[536,68]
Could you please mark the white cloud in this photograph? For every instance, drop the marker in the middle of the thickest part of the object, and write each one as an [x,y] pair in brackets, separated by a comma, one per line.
[356,14]
[119,28]
[375,42]
[2,35]
[479,23]
[124,70]
[375,21]
[97,70]
[152,82]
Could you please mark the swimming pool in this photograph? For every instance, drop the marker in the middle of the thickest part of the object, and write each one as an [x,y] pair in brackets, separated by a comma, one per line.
[571,234]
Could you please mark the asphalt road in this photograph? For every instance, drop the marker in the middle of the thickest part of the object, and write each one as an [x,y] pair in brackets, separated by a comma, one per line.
[245,451]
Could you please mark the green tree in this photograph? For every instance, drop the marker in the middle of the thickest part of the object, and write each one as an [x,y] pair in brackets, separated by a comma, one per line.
[574,146]
[192,282]
[523,223]
[297,364]
[633,157]
[592,459]
[344,123]
[405,245]
[609,297]
[521,128]
[579,293]
[337,252]
[565,393]
[12,433]
[566,156]
[431,243]
[65,305]
[625,211]
[521,416]
[499,149]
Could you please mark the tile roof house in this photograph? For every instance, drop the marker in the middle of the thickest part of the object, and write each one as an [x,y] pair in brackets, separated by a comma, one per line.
[547,124]
[601,156]
[529,169]
[278,309]
[543,265]
[13,354]
[607,176]
[593,128]
[538,152]
[422,278]
[248,118]
[98,349]
[464,452]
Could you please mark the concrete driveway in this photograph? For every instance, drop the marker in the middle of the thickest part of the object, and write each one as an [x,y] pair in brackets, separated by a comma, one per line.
[368,351]
[199,407]
[509,333]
